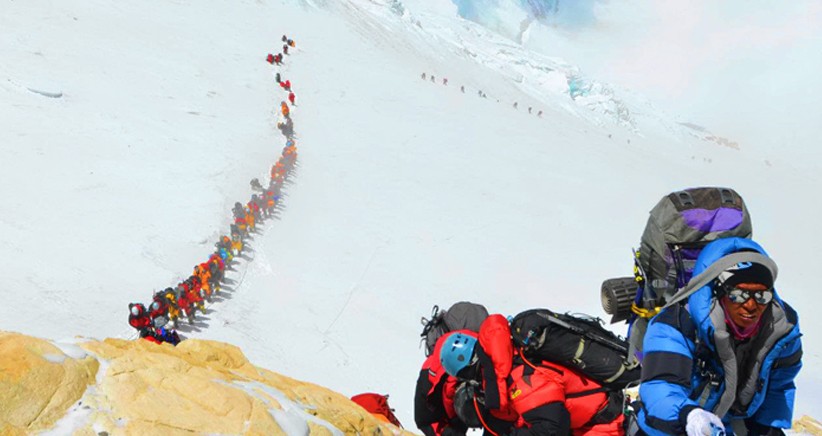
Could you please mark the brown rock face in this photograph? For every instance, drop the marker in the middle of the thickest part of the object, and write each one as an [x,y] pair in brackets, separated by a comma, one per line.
[137,387]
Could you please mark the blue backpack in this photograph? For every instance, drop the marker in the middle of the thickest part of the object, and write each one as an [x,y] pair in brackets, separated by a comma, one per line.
[167,335]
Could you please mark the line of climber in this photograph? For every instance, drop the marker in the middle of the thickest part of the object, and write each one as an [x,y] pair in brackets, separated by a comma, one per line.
[158,322]
[480,93]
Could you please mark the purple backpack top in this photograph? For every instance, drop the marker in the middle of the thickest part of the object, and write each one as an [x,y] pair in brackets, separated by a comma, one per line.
[679,226]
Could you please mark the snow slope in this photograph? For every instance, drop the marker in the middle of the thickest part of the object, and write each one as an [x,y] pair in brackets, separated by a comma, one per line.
[686,56]
[407,193]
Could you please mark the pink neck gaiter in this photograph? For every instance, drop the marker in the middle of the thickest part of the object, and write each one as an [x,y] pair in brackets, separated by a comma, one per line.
[739,333]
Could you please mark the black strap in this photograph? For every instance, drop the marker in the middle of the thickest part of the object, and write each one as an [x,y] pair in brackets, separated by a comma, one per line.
[610,411]
[710,378]
[791,360]
[588,392]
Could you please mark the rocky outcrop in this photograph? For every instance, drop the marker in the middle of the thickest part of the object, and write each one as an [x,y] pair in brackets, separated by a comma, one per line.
[38,382]
[808,425]
[137,387]
[119,387]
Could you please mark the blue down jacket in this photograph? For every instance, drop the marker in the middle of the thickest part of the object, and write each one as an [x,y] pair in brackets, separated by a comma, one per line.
[682,370]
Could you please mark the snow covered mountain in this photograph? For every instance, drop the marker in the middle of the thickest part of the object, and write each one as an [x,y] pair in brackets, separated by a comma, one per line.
[408,193]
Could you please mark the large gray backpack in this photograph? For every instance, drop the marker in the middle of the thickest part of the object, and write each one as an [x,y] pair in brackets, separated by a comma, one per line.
[461,316]
[679,226]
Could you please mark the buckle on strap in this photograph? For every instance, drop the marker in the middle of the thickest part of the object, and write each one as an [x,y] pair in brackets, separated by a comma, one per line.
[645,313]
[712,383]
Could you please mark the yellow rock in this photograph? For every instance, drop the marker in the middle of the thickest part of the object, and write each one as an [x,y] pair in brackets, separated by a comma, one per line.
[806,424]
[38,383]
[199,387]
[143,388]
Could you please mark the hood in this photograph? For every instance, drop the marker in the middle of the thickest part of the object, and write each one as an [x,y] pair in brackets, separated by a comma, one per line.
[702,301]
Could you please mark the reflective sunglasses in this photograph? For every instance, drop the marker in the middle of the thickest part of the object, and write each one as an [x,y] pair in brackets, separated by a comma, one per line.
[740,296]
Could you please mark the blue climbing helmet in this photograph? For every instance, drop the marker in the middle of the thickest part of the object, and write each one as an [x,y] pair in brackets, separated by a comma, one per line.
[457,352]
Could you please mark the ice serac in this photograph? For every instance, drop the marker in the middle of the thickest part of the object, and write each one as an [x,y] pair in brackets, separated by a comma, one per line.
[137,387]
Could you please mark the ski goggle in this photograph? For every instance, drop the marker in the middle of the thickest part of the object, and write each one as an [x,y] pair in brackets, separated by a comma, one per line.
[740,296]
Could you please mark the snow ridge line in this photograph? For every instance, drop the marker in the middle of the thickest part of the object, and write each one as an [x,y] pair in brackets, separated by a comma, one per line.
[150,322]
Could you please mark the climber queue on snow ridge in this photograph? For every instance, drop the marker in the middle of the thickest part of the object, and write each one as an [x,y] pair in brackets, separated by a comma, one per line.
[479,92]
[158,321]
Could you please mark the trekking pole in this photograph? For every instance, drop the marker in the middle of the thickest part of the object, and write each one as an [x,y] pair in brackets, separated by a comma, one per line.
[608,342]
[605,341]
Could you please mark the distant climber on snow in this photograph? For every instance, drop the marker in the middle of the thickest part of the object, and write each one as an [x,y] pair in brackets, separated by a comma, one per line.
[161,335]
[255,184]
[140,319]
[138,316]
[158,310]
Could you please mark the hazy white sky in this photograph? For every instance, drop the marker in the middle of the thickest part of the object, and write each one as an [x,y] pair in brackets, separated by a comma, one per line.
[749,70]
[746,69]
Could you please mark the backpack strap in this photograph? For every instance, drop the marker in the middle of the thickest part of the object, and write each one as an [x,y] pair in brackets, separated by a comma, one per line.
[586,333]
[589,392]
[485,426]
[428,324]
[632,358]
[716,268]
[710,378]
[628,364]
[614,407]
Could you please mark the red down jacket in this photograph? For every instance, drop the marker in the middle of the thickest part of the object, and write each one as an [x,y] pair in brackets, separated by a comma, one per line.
[496,356]
[540,397]
[551,398]
[434,396]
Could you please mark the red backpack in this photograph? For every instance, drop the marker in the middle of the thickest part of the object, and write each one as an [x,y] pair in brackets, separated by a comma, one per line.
[377,404]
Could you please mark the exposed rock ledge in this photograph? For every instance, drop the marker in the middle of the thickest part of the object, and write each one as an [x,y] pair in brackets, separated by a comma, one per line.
[119,387]
[136,387]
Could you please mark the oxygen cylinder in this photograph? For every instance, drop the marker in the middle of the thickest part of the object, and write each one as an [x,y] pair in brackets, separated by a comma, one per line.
[617,297]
